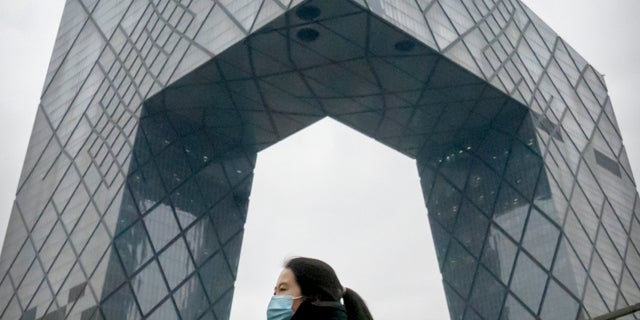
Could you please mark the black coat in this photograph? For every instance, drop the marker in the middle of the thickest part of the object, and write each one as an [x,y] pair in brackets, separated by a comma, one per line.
[320,311]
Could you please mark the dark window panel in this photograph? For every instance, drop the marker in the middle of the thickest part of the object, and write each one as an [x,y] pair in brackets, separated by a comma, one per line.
[607,163]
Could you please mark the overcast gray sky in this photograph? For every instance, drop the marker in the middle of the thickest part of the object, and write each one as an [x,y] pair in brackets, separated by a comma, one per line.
[328,191]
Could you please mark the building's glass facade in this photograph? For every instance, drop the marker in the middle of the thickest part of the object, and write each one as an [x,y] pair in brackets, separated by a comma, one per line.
[135,188]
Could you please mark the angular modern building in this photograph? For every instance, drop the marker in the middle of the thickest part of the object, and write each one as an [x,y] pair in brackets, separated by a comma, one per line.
[135,187]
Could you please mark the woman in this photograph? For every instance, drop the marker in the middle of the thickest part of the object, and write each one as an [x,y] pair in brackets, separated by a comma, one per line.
[308,289]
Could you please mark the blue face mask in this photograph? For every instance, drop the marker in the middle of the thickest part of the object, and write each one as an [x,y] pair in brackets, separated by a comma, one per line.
[280,307]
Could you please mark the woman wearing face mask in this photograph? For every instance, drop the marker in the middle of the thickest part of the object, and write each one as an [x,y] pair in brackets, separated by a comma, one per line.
[308,289]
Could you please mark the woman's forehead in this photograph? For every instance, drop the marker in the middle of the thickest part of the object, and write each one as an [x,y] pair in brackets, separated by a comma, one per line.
[286,276]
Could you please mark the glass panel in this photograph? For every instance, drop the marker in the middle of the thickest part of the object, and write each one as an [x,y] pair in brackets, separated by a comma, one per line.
[227,217]
[455,167]
[202,240]
[444,203]
[511,212]
[121,214]
[146,186]
[540,238]
[499,254]
[216,276]
[607,163]
[629,287]
[30,283]
[121,305]
[161,225]
[440,240]
[165,312]
[602,280]
[176,263]
[158,132]
[42,296]
[217,34]
[53,245]
[173,166]
[610,256]
[514,310]
[611,222]
[212,183]
[584,212]
[459,269]
[568,269]
[593,301]
[191,299]
[483,185]
[13,310]
[528,282]
[455,303]
[222,307]
[95,249]
[558,304]
[471,315]
[75,281]
[471,228]
[75,207]
[82,231]
[553,207]
[24,259]
[16,235]
[134,247]
[523,170]
[443,31]
[44,225]
[188,200]
[578,238]
[149,287]
[6,291]
[487,294]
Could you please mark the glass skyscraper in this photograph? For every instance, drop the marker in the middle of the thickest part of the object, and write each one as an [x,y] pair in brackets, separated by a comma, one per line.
[135,187]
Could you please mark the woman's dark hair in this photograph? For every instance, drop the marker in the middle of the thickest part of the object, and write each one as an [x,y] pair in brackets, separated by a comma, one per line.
[319,282]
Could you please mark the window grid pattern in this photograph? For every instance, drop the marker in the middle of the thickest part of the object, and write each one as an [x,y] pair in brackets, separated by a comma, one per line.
[135,187]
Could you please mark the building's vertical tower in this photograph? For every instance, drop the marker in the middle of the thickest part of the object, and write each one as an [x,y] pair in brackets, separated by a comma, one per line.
[561,238]
[135,187]
[123,211]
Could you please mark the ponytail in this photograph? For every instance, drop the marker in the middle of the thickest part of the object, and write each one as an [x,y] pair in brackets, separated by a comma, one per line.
[356,308]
